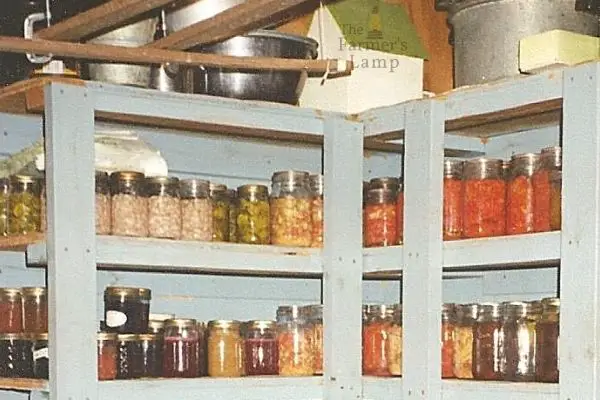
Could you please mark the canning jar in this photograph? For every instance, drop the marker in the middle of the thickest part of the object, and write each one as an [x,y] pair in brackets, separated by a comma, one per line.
[221,206]
[555,200]
[484,204]
[102,203]
[260,348]
[24,202]
[156,327]
[466,315]
[233,213]
[126,309]
[181,341]
[107,356]
[453,198]
[35,307]
[394,348]
[130,361]
[380,219]
[4,194]
[315,331]
[316,207]
[519,194]
[505,169]
[376,326]
[164,210]
[11,311]
[202,349]
[196,210]
[129,204]
[152,355]
[448,324]
[291,223]
[487,342]
[295,352]
[16,355]
[547,342]
[225,349]
[41,362]
[252,220]
[549,162]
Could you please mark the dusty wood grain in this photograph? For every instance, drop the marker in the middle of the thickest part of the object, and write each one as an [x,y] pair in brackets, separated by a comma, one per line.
[18,243]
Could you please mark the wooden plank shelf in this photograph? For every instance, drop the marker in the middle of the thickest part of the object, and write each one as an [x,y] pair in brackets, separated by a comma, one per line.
[23,384]
[19,243]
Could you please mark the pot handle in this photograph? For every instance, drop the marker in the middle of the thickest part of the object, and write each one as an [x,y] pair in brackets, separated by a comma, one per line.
[28,34]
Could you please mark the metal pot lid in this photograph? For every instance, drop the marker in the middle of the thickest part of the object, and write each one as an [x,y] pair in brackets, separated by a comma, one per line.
[285,36]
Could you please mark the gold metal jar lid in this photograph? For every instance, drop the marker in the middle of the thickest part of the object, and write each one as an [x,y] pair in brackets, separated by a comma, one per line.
[482,168]
[15,336]
[290,176]
[194,188]
[33,291]
[156,326]
[262,325]
[107,336]
[131,292]
[253,191]
[127,176]
[25,179]
[39,336]
[224,324]
[453,167]
[180,323]
[128,337]
[149,337]
[491,309]
[381,196]
[10,293]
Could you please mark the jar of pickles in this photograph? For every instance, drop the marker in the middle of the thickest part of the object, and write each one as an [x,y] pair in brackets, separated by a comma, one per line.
[517,361]
[130,361]
[181,341]
[126,309]
[453,198]
[314,319]
[221,207]
[519,194]
[394,348]
[164,210]
[487,342]
[233,213]
[24,203]
[550,161]
[107,356]
[196,210]
[555,200]
[378,319]
[484,203]
[4,214]
[129,203]
[260,348]
[547,341]
[253,215]
[294,345]
[11,311]
[225,349]
[448,325]
[16,355]
[466,315]
[35,307]
[102,203]
[291,209]
[380,219]
[316,195]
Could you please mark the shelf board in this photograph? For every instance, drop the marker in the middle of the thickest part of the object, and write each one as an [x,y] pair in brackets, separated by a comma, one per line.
[19,243]
[465,390]
[23,384]
[383,261]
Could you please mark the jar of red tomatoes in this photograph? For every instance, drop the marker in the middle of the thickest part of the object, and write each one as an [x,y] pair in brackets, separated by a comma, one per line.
[550,163]
[484,202]
[448,326]
[453,198]
[377,323]
[519,194]
[380,219]
[487,342]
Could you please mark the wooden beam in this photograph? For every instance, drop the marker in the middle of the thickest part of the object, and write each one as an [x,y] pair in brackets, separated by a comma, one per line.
[144,55]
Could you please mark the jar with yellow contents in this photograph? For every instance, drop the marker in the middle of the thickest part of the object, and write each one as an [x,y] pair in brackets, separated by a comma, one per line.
[24,203]
[253,214]
[221,207]
[291,220]
[466,315]
[225,349]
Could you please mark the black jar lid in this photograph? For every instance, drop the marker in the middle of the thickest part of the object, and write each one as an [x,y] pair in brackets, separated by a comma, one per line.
[130,292]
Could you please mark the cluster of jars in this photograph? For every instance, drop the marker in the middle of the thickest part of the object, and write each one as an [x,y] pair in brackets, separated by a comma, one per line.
[20,206]
[383,212]
[24,332]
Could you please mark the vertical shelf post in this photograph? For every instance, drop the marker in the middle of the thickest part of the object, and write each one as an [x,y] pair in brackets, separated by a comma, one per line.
[422,271]
[580,244]
[69,155]
[343,267]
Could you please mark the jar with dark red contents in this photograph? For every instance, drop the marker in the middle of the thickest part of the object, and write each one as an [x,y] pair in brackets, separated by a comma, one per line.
[380,219]
[547,340]
[448,325]
[202,349]
[130,359]
[16,355]
[519,194]
[126,309]
[261,349]
[35,306]
[484,202]
[152,355]
[487,342]
[181,343]
[453,198]
[11,311]
[550,161]
[108,351]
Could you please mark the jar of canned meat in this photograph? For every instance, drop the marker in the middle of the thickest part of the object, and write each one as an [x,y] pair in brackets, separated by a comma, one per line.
[294,344]
[487,342]
[380,219]
[316,194]
[547,339]
[130,360]
[127,310]
[253,215]
[225,349]
[448,325]
[35,307]
[16,355]
[102,203]
[394,348]
[11,310]
[378,320]
[221,207]
[129,203]
[453,198]
[519,194]
[314,321]
[233,213]
[291,223]
[4,213]
[555,200]
[181,341]
[550,161]
[196,210]
[24,202]
[466,315]
[41,361]
[108,350]
[164,210]
[484,205]
[260,348]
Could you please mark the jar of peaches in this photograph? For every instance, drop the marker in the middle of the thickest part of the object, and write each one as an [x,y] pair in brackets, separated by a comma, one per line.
[290,205]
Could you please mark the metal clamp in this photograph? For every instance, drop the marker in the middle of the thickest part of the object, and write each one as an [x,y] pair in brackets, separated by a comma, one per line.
[28,34]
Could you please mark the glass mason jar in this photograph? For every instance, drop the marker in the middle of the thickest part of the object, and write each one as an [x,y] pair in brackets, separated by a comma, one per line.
[519,194]
[233,213]
[314,330]
[181,341]
[395,185]
[380,219]
[152,355]
[550,162]
[129,203]
[35,307]
[487,342]
[11,311]
[555,200]
[466,315]
[260,348]
[4,213]
[202,349]
[484,205]
[547,342]
[130,360]
[156,327]
[221,207]
[41,361]
[448,326]
[102,203]
[164,209]
[394,348]
[453,198]
[107,356]
[225,349]
[126,309]
[196,210]
[24,202]
[291,209]
[316,184]
[252,220]
[16,355]
[294,345]
[505,169]
[377,323]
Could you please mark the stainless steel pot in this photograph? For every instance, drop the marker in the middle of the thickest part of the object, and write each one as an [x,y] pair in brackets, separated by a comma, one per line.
[185,13]
[486,33]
